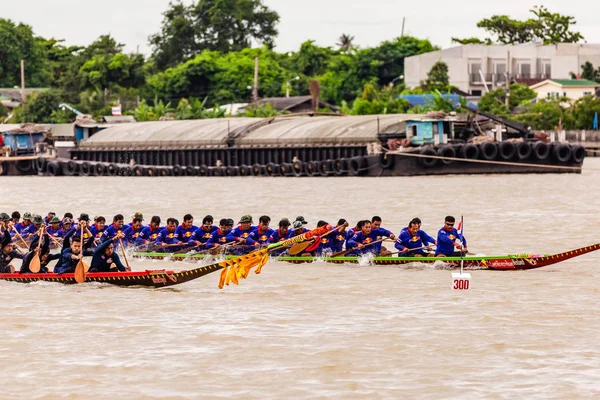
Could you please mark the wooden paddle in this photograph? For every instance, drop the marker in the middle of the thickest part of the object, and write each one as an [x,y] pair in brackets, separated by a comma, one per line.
[36,264]
[20,237]
[80,269]
[341,253]
[187,249]
[409,250]
[124,256]
[298,248]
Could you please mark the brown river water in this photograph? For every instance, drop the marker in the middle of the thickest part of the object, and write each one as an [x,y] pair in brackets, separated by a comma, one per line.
[319,330]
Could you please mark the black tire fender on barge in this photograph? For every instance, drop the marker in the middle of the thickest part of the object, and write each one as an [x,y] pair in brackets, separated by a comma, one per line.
[387,161]
[446,151]
[540,151]
[469,151]
[523,150]
[426,161]
[577,153]
[41,164]
[561,152]
[488,151]
[53,168]
[508,151]
[358,165]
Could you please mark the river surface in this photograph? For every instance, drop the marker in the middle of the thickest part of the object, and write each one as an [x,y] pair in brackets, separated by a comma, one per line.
[317,330]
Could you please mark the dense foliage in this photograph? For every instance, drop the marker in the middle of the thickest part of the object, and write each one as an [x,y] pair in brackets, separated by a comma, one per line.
[203,57]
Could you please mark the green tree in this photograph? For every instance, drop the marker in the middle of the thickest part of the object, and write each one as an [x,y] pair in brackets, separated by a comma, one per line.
[588,72]
[543,115]
[345,42]
[220,25]
[494,101]
[17,42]
[3,112]
[437,78]
[549,27]
[581,114]
[39,107]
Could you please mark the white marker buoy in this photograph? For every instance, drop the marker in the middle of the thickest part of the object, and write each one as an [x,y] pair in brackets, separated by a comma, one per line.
[461,281]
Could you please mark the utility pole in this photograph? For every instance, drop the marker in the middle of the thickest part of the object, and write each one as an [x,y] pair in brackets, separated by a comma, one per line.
[255,88]
[23,81]
[403,22]
[507,83]
[105,97]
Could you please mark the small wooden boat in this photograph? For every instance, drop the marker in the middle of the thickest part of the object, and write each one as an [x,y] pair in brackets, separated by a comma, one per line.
[503,262]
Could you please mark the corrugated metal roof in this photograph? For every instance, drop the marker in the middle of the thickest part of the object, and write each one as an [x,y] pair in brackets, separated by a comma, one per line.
[168,134]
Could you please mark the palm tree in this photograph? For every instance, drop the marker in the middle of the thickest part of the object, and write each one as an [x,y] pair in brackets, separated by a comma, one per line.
[345,42]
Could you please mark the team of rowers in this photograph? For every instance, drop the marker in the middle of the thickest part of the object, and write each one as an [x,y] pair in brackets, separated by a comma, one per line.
[81,238]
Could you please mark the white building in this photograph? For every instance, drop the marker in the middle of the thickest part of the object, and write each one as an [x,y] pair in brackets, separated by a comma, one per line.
[471,65]
[571,88]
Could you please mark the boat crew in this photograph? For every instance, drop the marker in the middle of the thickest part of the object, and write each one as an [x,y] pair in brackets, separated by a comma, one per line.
[132,233]
[67,223]
[241,236]
[361,240]
[70,256]
[352,231]
[115,228]
[23,225]
[49,217]
[263,233]
[150,233]
[186,232]
[411,237]
[326,245]
[339,237]
[44,254]
[7,247]
[134,216]
[376,226]
[205,231]
[168,234]
[219,237]
[105,259]
[32,229]
[297,229]
[54,229]
[98,228]
[70,216]
[16,217]
[448,240]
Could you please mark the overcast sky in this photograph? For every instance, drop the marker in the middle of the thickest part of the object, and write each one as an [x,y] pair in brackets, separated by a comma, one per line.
[369,21]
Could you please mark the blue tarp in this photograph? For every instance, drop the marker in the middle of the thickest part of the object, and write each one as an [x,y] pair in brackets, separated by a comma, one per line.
[423,99]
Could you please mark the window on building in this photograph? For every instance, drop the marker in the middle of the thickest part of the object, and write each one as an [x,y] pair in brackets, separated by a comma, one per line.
[474,68]
[476,92]
[587,93]
[546,69]
[525,70]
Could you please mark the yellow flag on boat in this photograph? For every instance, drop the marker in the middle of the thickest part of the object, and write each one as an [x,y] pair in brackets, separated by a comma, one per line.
[239,267]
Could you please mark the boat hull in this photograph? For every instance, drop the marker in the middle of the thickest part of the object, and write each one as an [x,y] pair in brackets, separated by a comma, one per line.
[497,263]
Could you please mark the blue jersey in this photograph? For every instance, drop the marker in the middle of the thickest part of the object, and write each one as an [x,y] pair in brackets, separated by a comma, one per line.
[293,234]
[203,236]
[380,233]
[262,237]
[132,235]
[97,232]
[361,238]
[406,241]
[242,233]
[186,234]
[217,238]
[167,237]
[149,234]
[337,241]
[58,233]
[20,226]
[111,231]
[445,241]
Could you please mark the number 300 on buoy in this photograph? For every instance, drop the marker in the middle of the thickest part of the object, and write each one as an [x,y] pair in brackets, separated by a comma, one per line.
[461,281]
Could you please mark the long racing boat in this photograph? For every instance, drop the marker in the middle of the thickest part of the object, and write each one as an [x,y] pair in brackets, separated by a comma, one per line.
[234,267]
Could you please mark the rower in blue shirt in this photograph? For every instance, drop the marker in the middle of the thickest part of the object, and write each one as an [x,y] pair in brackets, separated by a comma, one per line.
[97,229]
[150,234]
[55,230]
[361,241]
[115,228]
[132,233]
[412,239]
[219,237]
[241,235]
[280,235]
[168,236]
[70,256]
[263,233]
[186,232]
[448,239]
[205,231]
[339,237]
[376,226]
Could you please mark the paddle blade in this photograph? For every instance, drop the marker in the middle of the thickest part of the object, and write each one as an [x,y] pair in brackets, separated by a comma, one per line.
[80,272]
[35,265]
[298,248]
